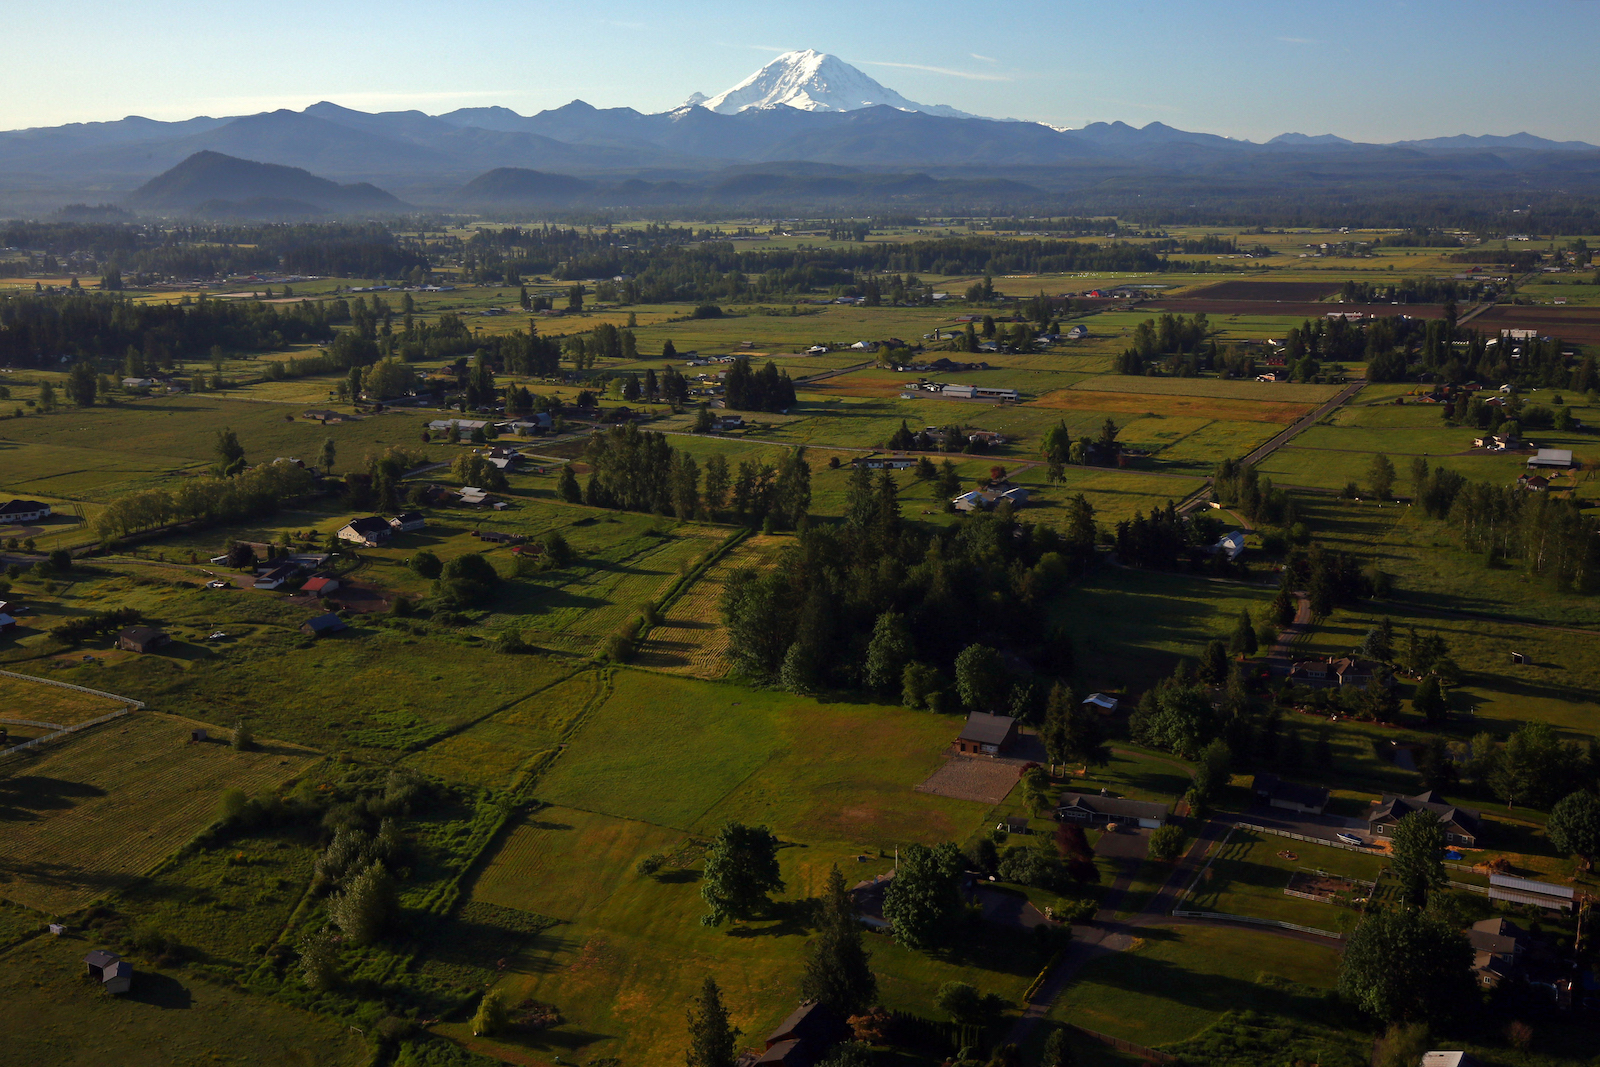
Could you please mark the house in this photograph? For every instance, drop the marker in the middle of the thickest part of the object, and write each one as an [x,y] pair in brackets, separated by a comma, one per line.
[877,462]
[1560,458]
[1460,824]
[988,437]
[529,425]
[867,897]
[1496,946]
[114,973]
[1534,483]
[463,426]
[1498,442]
[727,422]
[497,537]
[804,1037]
[1078,807]
[1290,796]
[370,531]
[7,623]
[984,499]
[275,576]
[1342,671]
[141,639]
[1230,545]
[139,383]
[23,511]
[320,586]
[1100,702]
[324,417]
[323,625]
[1448,1059]
[408,522]
[471,494]
[1077,333]
[986,734]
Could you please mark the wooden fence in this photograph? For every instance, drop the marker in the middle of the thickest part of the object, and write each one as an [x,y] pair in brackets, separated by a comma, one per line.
[80,688]
[1150,1054]
[1257,921]
[63,732]
[1302,837]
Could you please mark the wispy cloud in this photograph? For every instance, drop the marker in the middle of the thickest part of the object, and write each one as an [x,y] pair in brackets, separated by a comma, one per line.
[1297,40]
[986,59]
[971,74]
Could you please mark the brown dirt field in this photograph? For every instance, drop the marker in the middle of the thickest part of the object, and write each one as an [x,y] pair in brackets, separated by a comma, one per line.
[863,383]
[1241,290]
[1281,309]
[1578,325]
[1192,406]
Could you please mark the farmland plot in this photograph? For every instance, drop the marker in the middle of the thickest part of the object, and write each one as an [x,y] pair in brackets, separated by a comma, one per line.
[691,639]
[103,808]
[40,702]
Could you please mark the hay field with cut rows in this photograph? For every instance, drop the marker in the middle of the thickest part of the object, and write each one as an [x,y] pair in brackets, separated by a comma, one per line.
[690,638]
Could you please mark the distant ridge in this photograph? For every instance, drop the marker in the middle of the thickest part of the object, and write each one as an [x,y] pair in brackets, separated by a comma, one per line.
[225,184]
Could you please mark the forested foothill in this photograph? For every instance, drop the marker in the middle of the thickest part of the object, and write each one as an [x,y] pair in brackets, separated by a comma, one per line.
[580,637]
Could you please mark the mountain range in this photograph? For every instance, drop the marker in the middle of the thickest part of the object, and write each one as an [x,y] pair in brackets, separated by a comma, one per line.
[807,130]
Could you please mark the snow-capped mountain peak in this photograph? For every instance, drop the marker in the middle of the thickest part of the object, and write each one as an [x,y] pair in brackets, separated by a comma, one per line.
[813,81]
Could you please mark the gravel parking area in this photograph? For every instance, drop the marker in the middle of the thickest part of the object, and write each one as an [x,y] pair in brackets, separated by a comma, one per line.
[979,778]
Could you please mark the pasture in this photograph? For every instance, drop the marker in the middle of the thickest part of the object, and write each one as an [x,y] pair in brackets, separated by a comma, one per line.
[90,814]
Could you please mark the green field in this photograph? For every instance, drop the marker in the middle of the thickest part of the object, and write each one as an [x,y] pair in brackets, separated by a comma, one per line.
[1248,874]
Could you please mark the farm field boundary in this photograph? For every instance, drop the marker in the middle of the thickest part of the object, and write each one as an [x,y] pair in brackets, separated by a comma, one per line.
[1255,921]
[61,732]
[1151,1054]
[80,688]
[1286,392]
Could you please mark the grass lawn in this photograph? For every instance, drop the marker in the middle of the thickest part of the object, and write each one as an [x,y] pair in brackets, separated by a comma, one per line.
[1247,877]
[1130,627]
[1182,978]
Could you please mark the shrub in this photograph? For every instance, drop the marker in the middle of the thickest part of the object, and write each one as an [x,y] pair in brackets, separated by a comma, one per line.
[1166,843]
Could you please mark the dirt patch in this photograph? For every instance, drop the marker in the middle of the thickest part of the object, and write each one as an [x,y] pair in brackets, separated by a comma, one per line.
[1291,291]
[1578,325]
[978,778]
[1168,405]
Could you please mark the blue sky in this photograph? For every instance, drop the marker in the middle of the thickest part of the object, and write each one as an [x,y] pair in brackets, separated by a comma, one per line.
[1366,70]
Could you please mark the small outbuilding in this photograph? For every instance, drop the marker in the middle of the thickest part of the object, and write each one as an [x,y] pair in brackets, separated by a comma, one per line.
[323,625]
[320,586]
[986,734]
[1100,702]
[408,522]
[142,639]
[114,973]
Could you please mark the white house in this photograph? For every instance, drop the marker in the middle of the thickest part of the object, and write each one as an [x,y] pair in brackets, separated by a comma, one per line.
[23,511]
[139,383]
[1230,544]
[370,531]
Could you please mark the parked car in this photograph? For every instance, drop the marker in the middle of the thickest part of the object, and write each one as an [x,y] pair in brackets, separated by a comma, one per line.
[1350,839]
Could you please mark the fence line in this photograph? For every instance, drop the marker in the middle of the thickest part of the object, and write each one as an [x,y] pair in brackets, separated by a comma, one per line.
[1257,921]
[1302,837]
[79,688]
[1201,873]
[64,732]
[1469,887]
[32,722]
[1151,1054]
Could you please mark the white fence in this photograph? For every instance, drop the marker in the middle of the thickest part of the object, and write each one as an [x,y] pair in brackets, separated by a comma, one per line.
[32,722]
[1256,921]
[63,732]
[80,688]
[1302,837]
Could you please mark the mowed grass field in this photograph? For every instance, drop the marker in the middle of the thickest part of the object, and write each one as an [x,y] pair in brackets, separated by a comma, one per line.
[23,699]
[1247,876]
[1178,980]
[95,811]
[1278,392]
[663,763]
[690,638]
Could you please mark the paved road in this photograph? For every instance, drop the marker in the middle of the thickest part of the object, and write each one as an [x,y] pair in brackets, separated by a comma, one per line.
[1305,423]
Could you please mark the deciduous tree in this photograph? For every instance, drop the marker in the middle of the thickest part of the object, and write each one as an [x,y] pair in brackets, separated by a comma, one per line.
[741,871]
[1404,963]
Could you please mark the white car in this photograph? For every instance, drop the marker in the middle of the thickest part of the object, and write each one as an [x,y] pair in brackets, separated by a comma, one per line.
[218,636]
[217,584]
[1350,839]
